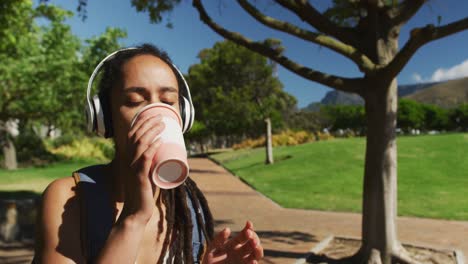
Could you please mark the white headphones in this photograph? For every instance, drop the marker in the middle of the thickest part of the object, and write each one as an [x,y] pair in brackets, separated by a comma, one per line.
[94,110]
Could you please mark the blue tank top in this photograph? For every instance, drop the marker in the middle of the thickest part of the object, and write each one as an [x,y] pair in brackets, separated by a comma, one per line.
[97,215]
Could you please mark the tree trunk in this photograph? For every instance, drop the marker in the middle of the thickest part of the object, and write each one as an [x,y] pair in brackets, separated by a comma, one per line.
[379,210]
[380,174]
[268,143]
[8,148]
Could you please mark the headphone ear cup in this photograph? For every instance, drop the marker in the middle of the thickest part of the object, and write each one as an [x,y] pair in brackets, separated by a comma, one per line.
[99,127]
[186,114]
[182,111]
[90,117]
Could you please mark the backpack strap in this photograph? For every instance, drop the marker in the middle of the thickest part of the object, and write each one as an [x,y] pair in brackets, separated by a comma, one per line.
[96,210]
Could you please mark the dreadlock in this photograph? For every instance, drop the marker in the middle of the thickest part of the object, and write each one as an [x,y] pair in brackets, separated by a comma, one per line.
[179,222]
[178,239]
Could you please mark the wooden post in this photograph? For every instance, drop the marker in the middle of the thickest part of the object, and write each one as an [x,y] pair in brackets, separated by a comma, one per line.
[268,143]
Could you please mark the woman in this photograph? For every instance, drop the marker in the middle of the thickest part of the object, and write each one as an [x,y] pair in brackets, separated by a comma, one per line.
[113,213]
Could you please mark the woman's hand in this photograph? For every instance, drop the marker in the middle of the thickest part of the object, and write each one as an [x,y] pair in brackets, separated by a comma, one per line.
[243,248]
[140,192]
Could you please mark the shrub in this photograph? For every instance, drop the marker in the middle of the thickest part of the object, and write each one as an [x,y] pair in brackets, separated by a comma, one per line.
[31,150]
[285,138]
[323,136]
[85,148]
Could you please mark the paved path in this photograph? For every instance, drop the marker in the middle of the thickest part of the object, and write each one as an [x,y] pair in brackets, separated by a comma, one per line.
[288,234]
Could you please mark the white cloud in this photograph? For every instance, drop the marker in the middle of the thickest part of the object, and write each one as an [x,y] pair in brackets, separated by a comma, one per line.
[417,77]
[455,72]
[441,74]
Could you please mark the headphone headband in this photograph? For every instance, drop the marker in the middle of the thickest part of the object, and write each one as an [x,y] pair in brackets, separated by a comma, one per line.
[93,110]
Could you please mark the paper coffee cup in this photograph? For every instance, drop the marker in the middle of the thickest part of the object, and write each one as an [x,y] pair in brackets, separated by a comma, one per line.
[170,167]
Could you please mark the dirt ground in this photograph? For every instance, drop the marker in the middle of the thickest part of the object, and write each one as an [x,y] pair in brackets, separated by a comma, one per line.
[339,248]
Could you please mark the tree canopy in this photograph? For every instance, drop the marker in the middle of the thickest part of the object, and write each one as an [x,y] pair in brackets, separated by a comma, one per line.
[45,68]
[235,89]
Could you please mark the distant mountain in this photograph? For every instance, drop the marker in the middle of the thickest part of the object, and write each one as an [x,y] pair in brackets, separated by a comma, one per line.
[338,97]
[407,89]
[444,94]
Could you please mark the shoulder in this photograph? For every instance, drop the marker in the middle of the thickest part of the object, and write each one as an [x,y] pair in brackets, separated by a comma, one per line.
[58,198]
[59,203]
[58,222]
[60,190]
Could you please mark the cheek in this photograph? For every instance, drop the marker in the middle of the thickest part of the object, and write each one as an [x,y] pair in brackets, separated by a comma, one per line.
[121,119]
[125,117]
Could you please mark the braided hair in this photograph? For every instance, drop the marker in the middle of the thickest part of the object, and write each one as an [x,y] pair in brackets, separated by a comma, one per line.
[178,239]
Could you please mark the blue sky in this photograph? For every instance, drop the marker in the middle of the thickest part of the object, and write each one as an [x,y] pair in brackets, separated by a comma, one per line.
[440,60]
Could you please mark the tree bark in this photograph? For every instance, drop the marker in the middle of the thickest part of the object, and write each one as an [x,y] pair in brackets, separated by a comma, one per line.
[8,148]
[380,174]
[268,142]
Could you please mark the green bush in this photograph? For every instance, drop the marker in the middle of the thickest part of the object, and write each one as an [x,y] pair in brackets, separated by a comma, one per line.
[31,150]
[83,148]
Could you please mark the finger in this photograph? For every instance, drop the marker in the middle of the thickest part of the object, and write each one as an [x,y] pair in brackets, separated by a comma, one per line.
[241,238]
[136,132]
[220,239]
[150,136]
[250,259]
[146,159]
[245,250]
[249,225]
[257,249]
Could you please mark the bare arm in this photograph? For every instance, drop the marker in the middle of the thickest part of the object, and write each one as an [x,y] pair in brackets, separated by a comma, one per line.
[58,227]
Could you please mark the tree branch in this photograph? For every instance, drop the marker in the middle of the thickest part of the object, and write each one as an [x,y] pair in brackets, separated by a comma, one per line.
[309,14]
[362,61]
[405,11]
[275,53]
[419,37]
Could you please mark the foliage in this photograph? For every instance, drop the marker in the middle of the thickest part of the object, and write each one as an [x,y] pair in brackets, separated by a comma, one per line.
[85,148]
[435,118]
[37,70]
[30,148]
[459,117]
[44,71]
[345,117]
[328,175]
[234,90]
[285,138]
[410,115]
[307,120]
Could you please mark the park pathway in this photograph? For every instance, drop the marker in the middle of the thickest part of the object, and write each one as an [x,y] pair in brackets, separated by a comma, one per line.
[288,234]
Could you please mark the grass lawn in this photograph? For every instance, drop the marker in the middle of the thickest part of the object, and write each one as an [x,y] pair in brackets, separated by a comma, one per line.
[37,179]
[328,175]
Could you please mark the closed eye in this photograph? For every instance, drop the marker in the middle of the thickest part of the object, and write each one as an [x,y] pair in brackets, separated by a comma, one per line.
[133,103]
[168,102]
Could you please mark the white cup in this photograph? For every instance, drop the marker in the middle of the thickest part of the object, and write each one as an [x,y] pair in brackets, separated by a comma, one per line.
[170,167]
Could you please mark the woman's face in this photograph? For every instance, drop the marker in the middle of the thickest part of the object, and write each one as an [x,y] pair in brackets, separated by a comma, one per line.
[146,79]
